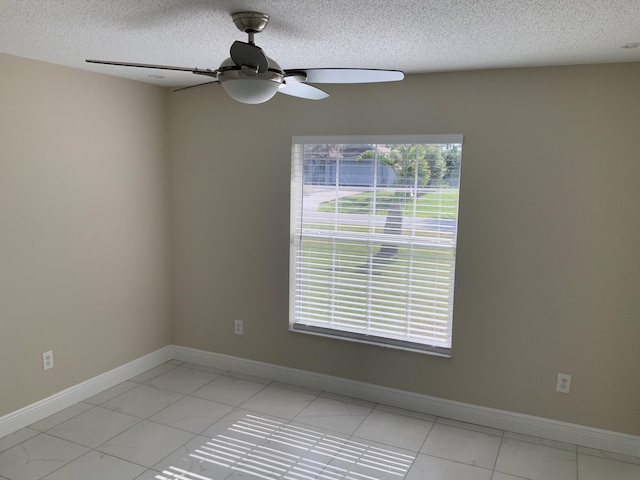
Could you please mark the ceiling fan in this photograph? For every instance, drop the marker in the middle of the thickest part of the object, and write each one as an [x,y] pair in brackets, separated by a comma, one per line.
[249,76]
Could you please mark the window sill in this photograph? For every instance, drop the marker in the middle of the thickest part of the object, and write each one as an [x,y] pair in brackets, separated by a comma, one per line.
[372,340]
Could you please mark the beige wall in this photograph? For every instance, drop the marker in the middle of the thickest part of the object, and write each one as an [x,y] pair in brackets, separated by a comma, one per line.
[83,226]
[548,263]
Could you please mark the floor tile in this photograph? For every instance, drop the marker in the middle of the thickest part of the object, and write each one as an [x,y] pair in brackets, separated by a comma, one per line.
[205,368]
[280,402]
[470,426]
[192,414]
[15,438]
[241,442]
[111,393]
[353,400]
[254,425]
[229,390]
[237,475]
[541,441]
[610,455]
[37,457]
[299,441]
[506,476]
[461,445]
[406,413]
[148,475]
[143,401]
[393,429]
[97,466]
[182,380]
[368,459]
[431,468]
[153,372]
[297,388]
[93,427]
[537,462]
[596,468]
[262,447]
[146,443]
[333,415]
[250,378]
[199,457]
[61,416]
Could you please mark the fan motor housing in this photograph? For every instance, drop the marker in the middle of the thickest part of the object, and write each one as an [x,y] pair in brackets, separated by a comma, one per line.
[250,22]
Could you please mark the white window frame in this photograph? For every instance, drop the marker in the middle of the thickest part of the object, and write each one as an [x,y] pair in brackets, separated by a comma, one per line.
[297,234]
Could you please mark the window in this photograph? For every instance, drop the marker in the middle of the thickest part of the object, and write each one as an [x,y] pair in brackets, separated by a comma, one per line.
[373,227]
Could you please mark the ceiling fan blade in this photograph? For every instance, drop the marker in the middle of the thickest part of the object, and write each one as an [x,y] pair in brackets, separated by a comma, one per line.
[249,55]
[349,75]
[302,90]
[211,73]
[194,86]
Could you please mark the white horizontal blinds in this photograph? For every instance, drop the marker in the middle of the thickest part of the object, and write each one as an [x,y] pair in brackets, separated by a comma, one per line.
[374,233]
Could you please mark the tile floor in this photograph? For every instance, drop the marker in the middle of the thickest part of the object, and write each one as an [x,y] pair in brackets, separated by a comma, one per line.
[188,422]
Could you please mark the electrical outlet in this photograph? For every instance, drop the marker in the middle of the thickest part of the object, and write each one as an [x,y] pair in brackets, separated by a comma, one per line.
[238,327]
[564,383]
[47,360]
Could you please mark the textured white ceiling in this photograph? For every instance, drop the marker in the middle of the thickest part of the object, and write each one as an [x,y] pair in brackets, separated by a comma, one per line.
[410,35]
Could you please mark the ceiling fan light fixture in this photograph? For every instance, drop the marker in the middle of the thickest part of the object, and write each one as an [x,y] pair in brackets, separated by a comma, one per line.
[245,85]
[250,90]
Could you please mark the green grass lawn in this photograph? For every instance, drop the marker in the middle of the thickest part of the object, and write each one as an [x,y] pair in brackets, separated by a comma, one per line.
[438,204]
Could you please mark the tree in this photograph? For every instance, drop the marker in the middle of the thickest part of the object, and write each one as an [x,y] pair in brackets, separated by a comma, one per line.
[409,163]
[437,164]
[451,155]
[412,168]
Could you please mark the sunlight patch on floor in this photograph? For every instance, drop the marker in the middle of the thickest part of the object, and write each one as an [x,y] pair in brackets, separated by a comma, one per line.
[276,451]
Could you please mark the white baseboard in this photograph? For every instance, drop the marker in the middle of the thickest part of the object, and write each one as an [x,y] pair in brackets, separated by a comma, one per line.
[489,417]
[500,419]
[48,406]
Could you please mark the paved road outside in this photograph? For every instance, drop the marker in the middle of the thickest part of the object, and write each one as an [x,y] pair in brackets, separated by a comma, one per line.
[314,196]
